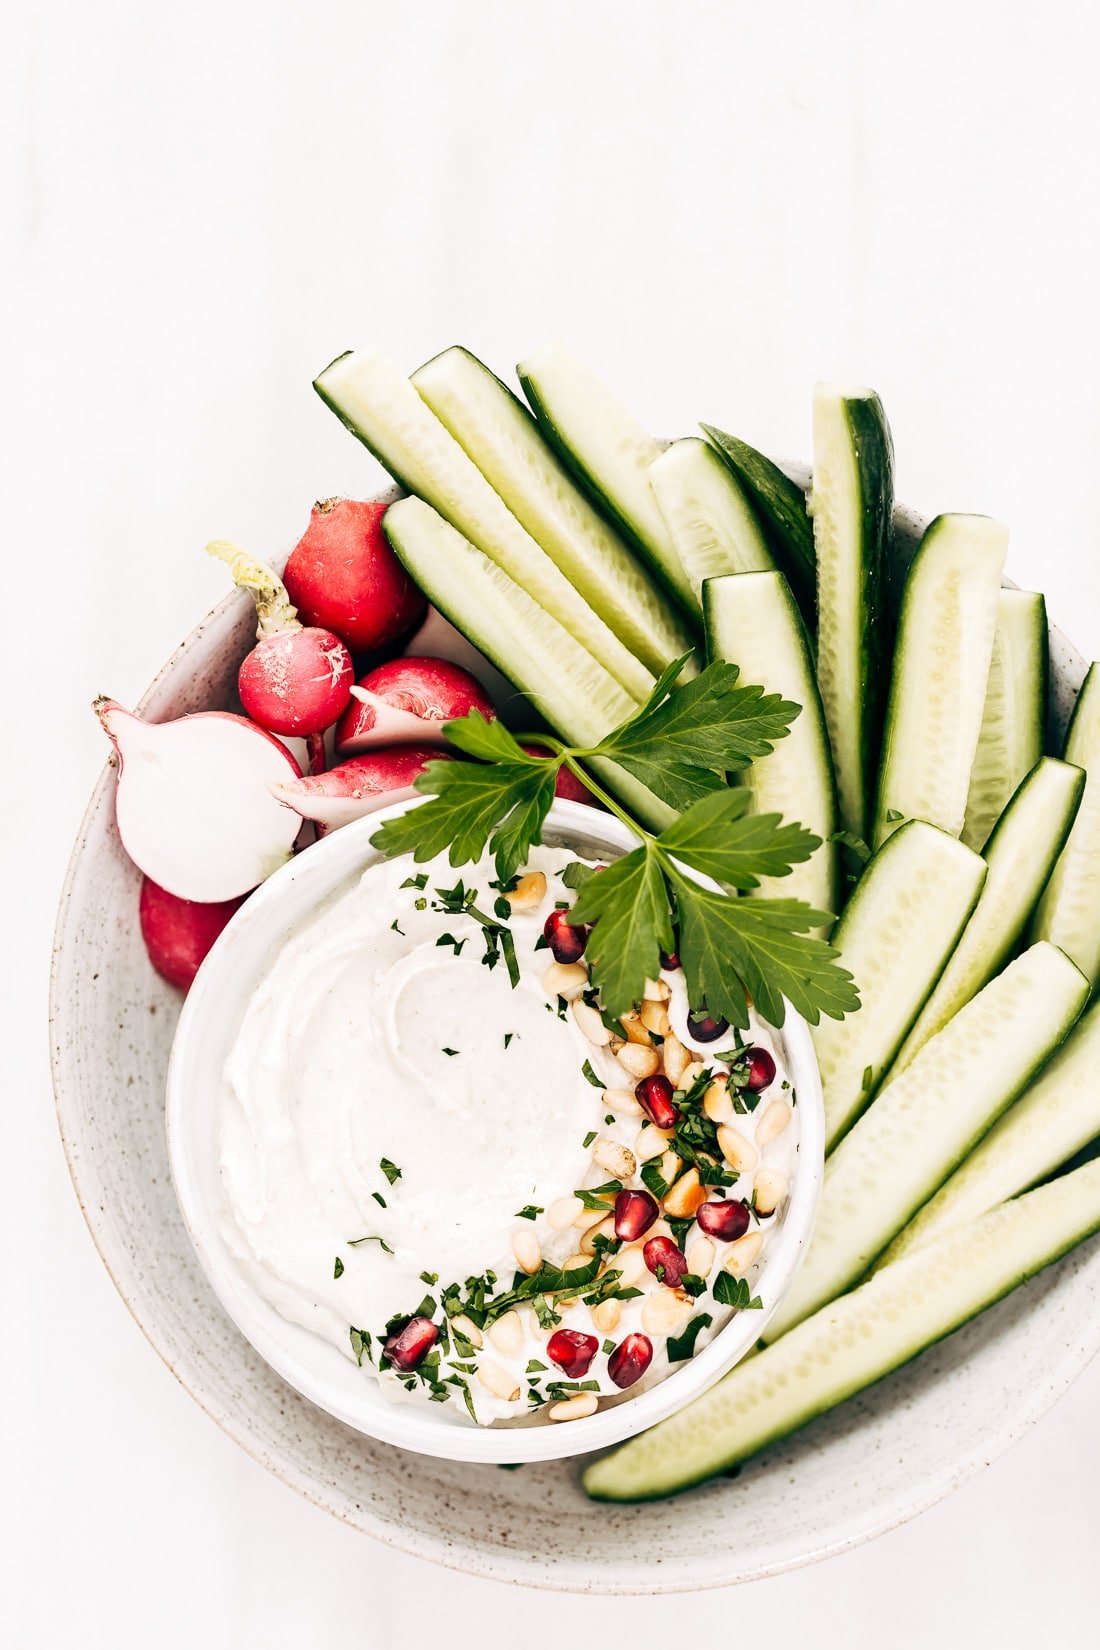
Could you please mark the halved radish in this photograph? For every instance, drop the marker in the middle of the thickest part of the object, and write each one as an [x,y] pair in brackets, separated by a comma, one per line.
[343,575]
[194,805]
[407,701]
[179,932]
[437,637]
[359,786]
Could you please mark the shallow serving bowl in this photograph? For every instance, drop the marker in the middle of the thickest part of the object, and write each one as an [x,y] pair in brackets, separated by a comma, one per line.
[211,1017]
[869,1465]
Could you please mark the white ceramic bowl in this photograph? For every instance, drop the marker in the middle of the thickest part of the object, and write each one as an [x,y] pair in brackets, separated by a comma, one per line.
[208,1025]
[867,1466]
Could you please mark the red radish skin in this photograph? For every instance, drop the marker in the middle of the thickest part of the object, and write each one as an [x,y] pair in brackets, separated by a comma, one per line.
[179,932]
[407,701]
[343,576]
[358,786]
[194,805]
[567,785]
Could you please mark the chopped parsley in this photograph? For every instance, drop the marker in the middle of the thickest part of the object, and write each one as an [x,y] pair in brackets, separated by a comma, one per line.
[590,1076]
[390,1170]
[508,1035]
[354,1243]
[396,928]
[419,881]
[338,1268]
[530,1211]
[588,1139]
[731,1291]
[451,1051]
[682,1346]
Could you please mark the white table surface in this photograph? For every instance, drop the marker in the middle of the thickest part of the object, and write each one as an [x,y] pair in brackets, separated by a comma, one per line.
[715,202]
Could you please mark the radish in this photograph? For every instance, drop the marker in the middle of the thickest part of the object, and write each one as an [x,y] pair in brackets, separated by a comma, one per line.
[567,786]
[359,786]
[406,701]
[437,637]
[193,805]
[297,679]
[179,932]
[343,576]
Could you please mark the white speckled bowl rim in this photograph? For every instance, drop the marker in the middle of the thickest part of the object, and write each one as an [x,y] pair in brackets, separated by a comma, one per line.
[314,1367]
[871,1464]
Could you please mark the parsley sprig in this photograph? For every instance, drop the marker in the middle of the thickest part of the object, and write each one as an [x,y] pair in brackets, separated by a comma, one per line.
[681,744]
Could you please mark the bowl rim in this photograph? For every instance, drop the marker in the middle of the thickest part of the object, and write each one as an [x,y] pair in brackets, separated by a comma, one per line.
[257,928]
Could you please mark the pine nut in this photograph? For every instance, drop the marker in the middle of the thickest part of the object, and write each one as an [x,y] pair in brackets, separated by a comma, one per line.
[468,1328]
[654,1016]
[577,1263]
[623,1102]
[498,1381]
[618,1160]
[675,1059]
[575,1408]
[775,1119]
[614,1043]
[691,1074]
[635,1030]
[630,1264]
[603,1228]
[743,1253]
[769,1189]
[738,1152]
[529,891]
[592,1217]
[563,1212]
[566,980]
[718,1102]
[664,1311]
[605,1316]
[506,1334]
[638,1061]
[589,1022]
[671,1165]
[700,1256]
[657,991]
[527,1249]
[651,1142]
[685,1196]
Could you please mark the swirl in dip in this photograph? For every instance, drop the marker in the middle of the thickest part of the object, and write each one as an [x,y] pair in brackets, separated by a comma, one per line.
[436,1154]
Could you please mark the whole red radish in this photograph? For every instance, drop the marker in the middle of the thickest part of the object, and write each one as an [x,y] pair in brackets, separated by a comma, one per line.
[179,932]
[358,786]
[298,678]
[342,574]
[567,785]
[194,806]
[408,700]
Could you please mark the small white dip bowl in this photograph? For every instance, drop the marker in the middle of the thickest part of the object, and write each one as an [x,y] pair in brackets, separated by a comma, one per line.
[208,1025]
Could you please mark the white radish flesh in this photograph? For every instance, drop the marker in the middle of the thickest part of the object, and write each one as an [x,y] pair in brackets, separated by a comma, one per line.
[194,805]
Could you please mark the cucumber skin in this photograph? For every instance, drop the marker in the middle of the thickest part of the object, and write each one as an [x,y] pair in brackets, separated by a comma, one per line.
[1045,923]
[1010,1217]
[592,490]
[779,505]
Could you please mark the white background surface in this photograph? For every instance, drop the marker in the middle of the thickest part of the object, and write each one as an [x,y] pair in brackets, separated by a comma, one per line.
[717,203]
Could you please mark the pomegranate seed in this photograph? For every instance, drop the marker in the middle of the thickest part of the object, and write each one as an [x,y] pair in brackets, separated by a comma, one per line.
[761,1069]
[410,1345]
[565,939]
[572,1351]
[670,960]
[654,1095]
[630,1360]
[667,1263]
[635,1213]
[727,1219]
[707,1028]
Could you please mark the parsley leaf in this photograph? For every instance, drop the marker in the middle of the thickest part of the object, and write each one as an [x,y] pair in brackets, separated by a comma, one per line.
[628,904]
[720,838]
[470,798]
[730,1291]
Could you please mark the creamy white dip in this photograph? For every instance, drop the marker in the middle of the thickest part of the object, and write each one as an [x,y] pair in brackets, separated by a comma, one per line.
[392,1103]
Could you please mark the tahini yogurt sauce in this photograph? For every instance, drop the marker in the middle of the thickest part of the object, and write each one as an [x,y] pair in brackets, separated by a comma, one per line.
[391,1104]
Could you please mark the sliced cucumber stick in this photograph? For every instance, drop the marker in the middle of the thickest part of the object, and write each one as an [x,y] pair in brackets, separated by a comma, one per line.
[849,1345]
[608,449]
[852,502]
[1069,912]
[377,403]
[708,516]
[940,675]
[780,506]
[1058,1115]
[499,434]
[576,695]
[925,1121]
[1021,855]
[752,621]
[898,931]
[1013,721]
